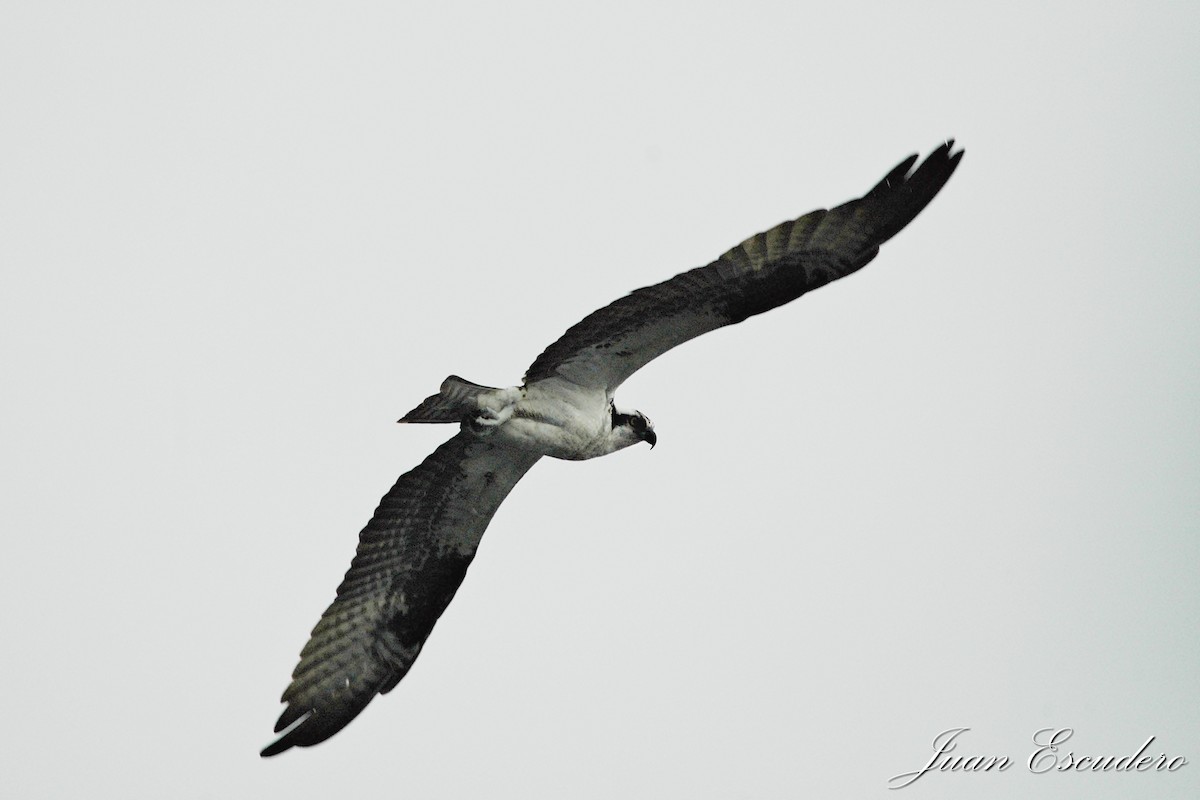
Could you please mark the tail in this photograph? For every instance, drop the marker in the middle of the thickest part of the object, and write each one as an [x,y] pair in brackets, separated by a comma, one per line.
[455,401]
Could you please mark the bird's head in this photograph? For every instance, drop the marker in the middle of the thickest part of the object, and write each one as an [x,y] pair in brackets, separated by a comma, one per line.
[631,427]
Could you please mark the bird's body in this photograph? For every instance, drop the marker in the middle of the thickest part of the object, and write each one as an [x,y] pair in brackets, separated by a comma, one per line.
[414,553]
[553,417]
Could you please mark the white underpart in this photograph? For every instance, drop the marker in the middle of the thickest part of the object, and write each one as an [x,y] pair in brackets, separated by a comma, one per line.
[553,417]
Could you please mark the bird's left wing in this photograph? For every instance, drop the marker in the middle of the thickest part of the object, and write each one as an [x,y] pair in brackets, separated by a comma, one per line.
[761,273]
[411,558]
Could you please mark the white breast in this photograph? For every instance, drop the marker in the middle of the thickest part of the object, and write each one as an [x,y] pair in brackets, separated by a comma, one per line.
[560,419]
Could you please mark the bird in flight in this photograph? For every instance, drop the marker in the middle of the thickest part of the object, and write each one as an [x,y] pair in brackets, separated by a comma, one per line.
[413,554]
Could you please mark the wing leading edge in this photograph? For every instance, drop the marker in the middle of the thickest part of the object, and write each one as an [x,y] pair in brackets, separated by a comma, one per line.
[761,273]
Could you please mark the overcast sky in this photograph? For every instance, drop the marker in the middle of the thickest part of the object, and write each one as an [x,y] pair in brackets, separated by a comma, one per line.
[960,488]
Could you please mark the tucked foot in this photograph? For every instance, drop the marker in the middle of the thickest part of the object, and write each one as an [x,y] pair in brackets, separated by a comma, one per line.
[494,409]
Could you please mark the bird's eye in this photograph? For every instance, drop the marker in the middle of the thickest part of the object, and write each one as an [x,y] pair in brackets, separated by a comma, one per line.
[637,423]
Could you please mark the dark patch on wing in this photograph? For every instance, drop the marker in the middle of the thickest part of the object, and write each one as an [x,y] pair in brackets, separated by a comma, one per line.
[762,273]
[411,559]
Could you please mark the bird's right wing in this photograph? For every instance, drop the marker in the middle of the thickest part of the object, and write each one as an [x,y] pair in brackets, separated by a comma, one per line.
[761,273]
[411,558]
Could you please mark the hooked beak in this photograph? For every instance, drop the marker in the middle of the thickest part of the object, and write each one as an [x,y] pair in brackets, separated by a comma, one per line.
[651,437]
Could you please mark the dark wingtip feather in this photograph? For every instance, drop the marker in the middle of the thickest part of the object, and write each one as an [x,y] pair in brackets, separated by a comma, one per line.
[917,187]
[309,728]
[275,749]
[287,741]
[901,170]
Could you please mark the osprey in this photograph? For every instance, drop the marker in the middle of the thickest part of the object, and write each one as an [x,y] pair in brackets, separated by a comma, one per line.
[413,554]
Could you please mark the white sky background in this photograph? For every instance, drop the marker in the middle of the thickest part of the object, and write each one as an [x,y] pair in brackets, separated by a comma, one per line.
[961,488]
